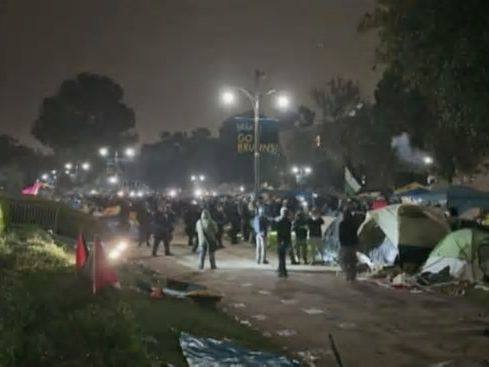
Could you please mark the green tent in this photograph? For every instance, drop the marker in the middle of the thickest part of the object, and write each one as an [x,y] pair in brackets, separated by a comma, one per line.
[465,252]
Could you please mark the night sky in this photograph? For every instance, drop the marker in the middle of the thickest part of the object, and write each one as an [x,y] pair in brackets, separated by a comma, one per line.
[173,56]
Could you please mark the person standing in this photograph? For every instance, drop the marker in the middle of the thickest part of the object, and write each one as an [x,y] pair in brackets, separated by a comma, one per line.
[163,230]
[314,225]
[260,227]
[300,230]
[348,245]
[191,216]
[143,217]
[284,240]
[206,233]
[220,219]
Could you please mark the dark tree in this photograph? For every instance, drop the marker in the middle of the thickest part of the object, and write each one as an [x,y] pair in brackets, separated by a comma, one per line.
[86,113]
[438,50]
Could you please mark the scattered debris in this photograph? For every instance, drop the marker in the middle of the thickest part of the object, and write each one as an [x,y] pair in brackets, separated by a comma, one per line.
[289,301]
[286,332]
[313,311]
[347,325]
[245,322]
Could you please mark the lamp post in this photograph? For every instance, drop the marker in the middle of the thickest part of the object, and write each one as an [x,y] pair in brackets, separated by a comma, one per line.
[300,172]
[255,96]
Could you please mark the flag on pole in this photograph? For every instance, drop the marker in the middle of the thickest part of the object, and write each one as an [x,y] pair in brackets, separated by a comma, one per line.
[33,189]
[81,252]
[102,273]
[352,186]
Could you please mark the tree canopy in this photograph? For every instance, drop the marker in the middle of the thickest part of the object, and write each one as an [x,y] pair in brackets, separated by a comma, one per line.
[436,52]
[86,113]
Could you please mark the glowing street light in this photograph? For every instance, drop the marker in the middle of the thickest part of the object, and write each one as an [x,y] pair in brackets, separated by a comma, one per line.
[68,166]
[295,170]
[255,97]
[45,177]
[85,166]
[428,160]
[120,194]
[130,152]
[241,188]
[283,102]
[173,193]
[104,151]
[113,180]
[198,193]
[202,178]
[228,97]
[54,172]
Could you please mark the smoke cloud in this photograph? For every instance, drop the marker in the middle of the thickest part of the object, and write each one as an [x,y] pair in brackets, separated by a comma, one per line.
[406,152]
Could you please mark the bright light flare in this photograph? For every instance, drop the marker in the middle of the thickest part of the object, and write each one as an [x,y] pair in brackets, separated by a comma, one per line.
[283,102]
[202,178]
[140,194]
[132,194]
[173,193]
[228,98]
[295,170]
[241,188]
[45,177]
[104,151]
[130,152]
[68,166]
[120,194]
[307,170]
[198,193]
[86,166]
[113,180]
[428,160]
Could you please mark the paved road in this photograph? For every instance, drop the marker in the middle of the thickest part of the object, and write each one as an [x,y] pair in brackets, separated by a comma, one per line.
[372,326]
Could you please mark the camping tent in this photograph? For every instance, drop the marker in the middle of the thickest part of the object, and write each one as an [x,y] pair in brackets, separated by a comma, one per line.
[413,229]
[465,252]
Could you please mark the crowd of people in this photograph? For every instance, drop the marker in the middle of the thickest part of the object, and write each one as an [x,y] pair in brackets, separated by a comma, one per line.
[299,230]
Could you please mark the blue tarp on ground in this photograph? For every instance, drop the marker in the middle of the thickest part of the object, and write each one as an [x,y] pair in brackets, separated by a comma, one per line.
[464,198]
[207,352]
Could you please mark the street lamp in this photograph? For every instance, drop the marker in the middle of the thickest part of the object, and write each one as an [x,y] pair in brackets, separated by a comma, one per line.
[255,96]
[301,172]
[104,151]
[68,166]
[113,180]
[85,166]
[45,177]
[428,160]
[130,152]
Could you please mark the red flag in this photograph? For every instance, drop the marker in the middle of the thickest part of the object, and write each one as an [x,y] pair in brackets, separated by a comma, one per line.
[103,274]
[81,252]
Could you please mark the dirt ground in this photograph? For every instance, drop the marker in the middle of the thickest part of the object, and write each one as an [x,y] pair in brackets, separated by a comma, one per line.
[372,326]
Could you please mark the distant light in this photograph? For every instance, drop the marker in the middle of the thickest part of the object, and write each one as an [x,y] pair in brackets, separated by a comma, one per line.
[214,193]
[132,194]
[120,193]
[113,180]
[114,254]
[295,170]
[193,178]
[283,102]
[85,166]
[53,172]
[67,172]
[93,192]
[428,160]
[228,97]
[45,177]
[307,170]
[202,178]
[68,166]
[242,188]
[198,193]
[130,152]
[140,194]
[104,151]
[315,195]
[173,193]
